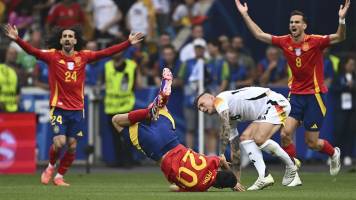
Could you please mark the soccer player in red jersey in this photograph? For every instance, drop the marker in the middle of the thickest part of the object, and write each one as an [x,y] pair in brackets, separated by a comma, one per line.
[66,64]
[156,137]
[304,56]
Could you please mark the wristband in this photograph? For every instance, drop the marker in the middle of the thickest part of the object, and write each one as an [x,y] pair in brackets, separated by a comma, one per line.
[342,21]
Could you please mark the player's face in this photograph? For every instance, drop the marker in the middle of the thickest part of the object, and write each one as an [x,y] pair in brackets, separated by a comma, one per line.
[297,25]
[206,104]
[68,40]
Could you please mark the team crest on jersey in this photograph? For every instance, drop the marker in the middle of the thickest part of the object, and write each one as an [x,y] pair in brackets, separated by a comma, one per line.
[305,47]
[70,65]
[298,51]
[77,60]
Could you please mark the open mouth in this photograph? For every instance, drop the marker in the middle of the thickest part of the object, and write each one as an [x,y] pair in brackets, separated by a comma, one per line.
[294,29]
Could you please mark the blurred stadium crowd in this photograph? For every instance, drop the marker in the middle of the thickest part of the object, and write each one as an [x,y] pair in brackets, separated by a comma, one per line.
[174,38]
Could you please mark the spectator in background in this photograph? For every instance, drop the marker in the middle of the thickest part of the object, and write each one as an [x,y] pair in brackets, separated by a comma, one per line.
[139,19]
[240,74]
[40,75]
[344,90]
[218,70]
[188,51]
[162,10]
[94,70]
[169,59]
[121,78]
[42,8]
[331,64]
[244,54]
[21,17]
[188,78]
[139,54]
[183,14]
[65,14]
[106,17]
[272,70]
[9,86]
[2,11]
[224,43]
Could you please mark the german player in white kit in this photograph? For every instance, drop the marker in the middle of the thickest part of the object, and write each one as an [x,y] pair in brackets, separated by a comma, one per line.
[267,111]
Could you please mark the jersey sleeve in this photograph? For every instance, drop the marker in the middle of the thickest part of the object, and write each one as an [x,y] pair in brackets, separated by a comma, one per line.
[220,104]
[38,53]
[276,40]
[97,55]
[323,40]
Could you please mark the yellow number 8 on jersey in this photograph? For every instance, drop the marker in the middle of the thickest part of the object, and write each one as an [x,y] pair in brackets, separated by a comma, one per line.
[298,62]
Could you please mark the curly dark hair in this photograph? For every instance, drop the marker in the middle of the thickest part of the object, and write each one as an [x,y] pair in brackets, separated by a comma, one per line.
[53,42]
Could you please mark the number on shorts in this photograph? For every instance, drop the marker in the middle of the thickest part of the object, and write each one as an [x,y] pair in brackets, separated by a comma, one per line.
[189,172]
[55,119]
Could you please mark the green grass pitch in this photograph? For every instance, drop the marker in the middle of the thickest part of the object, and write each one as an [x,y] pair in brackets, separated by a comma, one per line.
[136,184]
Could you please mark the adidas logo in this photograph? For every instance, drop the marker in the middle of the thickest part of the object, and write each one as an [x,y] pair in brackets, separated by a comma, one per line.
[314,126]
[80,134]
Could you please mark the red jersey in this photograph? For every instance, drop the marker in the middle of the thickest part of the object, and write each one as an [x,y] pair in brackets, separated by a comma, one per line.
[67,73]
[66,16]
[305,60]
[189,170]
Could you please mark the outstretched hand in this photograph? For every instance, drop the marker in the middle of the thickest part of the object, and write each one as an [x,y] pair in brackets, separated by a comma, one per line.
[343,9]
[10,31]
[242,8]
[239,188]
[135,38]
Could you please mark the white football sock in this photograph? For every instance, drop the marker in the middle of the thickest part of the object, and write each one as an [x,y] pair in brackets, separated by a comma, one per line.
[273,148]
[51,166]
[255,155]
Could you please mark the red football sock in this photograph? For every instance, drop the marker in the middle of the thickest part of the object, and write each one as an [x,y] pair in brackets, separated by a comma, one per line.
[53,155]
[290,149]
[138,115]
[327,148]
[66,162]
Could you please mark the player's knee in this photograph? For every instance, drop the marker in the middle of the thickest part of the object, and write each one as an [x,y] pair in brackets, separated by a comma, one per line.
[313,144]
[259,139]
[59,143]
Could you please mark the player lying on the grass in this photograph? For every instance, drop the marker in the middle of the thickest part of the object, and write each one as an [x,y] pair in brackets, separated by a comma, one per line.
[267,110]
[157,138]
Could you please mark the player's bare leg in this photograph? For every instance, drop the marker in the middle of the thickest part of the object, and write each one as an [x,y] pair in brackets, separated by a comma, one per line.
[163,95]
[287,132]
[323,146]
[54,151]
[65,163]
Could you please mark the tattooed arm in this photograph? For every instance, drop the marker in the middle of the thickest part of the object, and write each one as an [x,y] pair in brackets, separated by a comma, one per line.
[225,130]
[236,162]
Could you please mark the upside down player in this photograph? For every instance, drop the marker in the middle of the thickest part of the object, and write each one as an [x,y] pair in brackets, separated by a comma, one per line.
[187,169]
[305,59]
[66,63]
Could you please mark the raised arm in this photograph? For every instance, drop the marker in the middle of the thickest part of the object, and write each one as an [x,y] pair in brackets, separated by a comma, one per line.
[12,33]
[134,38]
[340,34]
[252,26]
